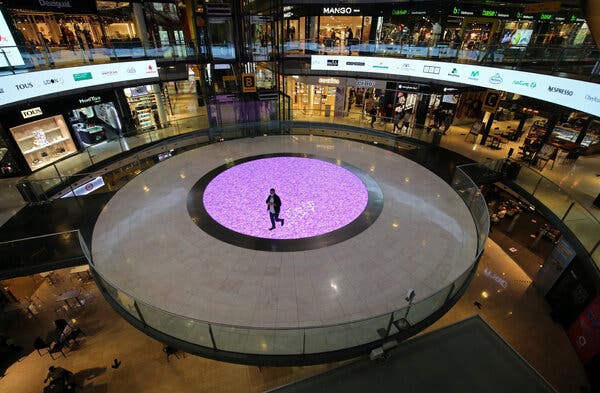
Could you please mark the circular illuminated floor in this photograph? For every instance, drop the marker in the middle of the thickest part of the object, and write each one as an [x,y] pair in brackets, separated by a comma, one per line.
[361,226]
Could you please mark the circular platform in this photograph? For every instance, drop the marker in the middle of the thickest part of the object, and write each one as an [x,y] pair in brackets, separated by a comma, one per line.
[325,201]
[146,244]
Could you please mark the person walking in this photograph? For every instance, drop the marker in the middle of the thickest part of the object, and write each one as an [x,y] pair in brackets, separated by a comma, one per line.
[373,113]
[274,207]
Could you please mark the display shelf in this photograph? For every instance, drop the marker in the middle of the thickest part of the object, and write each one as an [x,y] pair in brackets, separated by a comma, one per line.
[44,163]
[38,148]
[32,136]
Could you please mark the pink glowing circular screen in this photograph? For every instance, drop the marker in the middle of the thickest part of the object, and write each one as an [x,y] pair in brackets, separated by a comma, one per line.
[317,197]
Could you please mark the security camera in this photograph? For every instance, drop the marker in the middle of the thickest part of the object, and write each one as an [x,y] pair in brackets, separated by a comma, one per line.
[410,295]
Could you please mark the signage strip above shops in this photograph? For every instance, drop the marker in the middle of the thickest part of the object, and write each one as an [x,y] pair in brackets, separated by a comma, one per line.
[20,87]
[578,95]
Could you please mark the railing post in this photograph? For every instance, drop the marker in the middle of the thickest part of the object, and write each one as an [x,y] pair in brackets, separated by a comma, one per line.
[212,337]
[568,211]
[137,308]
[536,185]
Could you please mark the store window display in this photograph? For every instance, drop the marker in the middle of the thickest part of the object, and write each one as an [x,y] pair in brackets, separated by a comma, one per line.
[8,164]
[44,141]
[94,124]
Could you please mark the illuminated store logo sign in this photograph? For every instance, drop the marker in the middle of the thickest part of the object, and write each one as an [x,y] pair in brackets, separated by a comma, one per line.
[489,13]
[356,63]
[23,86]
[332,62]
[592,98]
[405,67]
[531,85]
[432,69]
[110,72]
[90,100]
[454,73]
[131,70]
[565,92]
[496,79]
[55,4]
[474,76]
[53,81]
[329,81]
[399,12]
[33,112]
[381,66]
[408,87]
[82,76]
[458,11]
[340,10]
[365,83]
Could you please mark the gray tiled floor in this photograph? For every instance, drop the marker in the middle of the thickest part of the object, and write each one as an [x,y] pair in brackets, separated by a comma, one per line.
[146,244]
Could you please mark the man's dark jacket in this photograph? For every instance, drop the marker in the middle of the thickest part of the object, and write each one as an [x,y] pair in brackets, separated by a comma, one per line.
[277,202]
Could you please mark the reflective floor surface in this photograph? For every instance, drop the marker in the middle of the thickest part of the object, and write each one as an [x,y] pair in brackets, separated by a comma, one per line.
[517,312]
[146,244]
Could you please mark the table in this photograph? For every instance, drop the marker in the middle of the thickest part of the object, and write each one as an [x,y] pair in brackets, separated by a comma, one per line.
[81,269]
[24,305]
[496,141]
[72,294]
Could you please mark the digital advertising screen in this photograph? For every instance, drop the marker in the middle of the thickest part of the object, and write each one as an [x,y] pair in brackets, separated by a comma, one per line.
[11,56]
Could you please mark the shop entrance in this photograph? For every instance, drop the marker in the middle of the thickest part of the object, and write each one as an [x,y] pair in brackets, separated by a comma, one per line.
[95,123]
[340,31]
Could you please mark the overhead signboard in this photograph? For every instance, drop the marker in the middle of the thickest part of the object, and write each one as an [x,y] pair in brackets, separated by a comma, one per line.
[491,101]
[62,6]
[575,94]
[11,56]
[249,83]
[29,85]
[548,6]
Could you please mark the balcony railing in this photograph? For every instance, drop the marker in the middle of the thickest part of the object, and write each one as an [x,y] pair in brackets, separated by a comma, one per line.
[37,58]
[551,59]
[303,342]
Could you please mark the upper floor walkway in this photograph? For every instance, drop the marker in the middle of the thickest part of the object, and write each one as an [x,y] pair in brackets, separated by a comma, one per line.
[576,62]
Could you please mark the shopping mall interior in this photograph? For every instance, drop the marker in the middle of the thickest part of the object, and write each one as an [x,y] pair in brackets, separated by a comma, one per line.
[286,196]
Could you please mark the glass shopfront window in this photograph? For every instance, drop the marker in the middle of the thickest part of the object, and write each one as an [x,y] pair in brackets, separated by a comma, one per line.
[8,162]
[44,141]
[221,38]
[95,123]
[143,105]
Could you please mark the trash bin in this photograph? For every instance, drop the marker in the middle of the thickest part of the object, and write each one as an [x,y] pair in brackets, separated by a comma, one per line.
[327,110]
[437,137]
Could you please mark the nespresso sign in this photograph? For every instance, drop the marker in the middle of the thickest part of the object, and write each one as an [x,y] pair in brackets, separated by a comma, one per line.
[64,6]
[340,11]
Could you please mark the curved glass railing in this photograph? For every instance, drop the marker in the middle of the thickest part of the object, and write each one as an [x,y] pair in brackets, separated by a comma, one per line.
[547,59]
[580,221]
[37,57]
[71,172]
[552,59]
[318,339]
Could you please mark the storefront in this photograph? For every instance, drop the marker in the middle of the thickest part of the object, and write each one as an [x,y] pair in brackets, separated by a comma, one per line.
[147,106]
[95,119]
[84,23]
[317,96]
[41,135]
